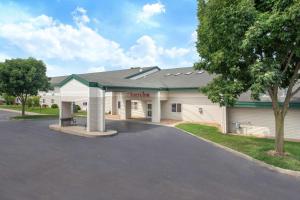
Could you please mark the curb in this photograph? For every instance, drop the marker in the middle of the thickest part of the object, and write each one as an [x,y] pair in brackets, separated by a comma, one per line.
[108,133]
[242,155]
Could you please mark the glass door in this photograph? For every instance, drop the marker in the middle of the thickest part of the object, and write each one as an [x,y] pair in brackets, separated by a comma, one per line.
[149,111]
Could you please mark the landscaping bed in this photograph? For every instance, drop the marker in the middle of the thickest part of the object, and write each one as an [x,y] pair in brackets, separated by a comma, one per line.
[257,148]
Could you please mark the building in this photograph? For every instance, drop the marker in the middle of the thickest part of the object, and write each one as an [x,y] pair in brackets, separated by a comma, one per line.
[157,94]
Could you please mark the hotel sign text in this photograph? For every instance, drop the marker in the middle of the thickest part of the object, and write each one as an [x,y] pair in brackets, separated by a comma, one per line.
[139,94]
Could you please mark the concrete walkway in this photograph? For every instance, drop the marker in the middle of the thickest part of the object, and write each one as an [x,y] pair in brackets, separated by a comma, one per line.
[19,112]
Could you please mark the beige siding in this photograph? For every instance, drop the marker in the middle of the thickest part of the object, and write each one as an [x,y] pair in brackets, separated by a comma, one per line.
[191,104]
[141,110]
[260,121]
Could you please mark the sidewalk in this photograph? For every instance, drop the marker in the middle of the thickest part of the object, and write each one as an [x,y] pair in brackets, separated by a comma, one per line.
[19,112]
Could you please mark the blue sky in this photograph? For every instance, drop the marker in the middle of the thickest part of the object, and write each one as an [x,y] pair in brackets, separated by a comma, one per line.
[79,36]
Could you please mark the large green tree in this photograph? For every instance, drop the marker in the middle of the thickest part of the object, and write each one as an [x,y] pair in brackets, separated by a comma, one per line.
[22,78]
[251,45]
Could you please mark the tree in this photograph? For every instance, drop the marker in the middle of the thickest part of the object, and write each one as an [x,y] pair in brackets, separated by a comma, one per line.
[251,45]
[22,78]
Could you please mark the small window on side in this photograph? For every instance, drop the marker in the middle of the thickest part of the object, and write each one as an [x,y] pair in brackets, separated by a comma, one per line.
[174,107]
[119,104]
[179,107]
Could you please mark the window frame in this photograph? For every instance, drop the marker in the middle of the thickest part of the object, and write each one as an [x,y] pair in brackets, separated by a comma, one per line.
[176,107]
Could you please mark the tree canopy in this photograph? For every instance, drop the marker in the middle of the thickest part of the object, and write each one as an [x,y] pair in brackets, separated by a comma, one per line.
[23,77]
[250,45]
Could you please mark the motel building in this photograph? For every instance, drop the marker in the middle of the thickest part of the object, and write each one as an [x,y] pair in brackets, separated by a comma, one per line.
[156,94]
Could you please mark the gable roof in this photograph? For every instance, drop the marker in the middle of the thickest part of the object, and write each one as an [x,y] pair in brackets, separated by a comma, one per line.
[161,79]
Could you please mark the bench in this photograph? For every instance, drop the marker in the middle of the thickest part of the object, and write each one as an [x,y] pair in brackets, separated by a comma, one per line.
[69,121]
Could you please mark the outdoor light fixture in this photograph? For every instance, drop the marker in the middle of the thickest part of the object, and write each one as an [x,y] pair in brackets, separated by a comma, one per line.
[201,110]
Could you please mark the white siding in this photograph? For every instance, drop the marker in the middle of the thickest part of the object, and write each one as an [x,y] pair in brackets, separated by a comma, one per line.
[141,110]
[191,104]
[260,122]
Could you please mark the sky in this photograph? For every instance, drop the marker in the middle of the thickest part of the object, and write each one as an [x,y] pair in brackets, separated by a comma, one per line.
[81,36]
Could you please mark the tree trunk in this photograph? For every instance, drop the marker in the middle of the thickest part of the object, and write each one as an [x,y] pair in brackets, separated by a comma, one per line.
[279,137]
[23,108]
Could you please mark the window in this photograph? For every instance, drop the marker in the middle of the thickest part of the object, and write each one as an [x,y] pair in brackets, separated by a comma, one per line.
[52,101]
[84,104]
[176,107]
[135,105]
[149,112]
[119,104]
[179,107]
[44,101]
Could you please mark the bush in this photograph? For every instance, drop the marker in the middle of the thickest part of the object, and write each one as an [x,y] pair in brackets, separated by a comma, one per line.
[54,106]
[76,108]
[36,101]
[9,100]
[29,102]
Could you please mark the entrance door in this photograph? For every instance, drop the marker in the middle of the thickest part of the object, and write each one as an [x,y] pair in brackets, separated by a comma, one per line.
[149,111]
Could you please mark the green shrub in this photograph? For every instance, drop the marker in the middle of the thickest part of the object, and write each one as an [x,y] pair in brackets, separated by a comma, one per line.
[36,101]
[29,102]
[76,108]
[9,100]
[54,106]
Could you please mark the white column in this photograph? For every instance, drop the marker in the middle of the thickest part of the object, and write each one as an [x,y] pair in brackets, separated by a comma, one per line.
[224,120]
[96,110]
[122,110]
[101,110]
[65,111]
[156,108]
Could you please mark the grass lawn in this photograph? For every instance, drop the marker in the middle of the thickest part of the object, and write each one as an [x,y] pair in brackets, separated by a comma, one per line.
[35,117]
[254,147]
[45,111]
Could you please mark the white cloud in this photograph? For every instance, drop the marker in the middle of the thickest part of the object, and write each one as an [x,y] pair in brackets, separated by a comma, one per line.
[96,69]
[194,36]
[177,52]
[46,38]
[3,57]
[150,10]
[80,16]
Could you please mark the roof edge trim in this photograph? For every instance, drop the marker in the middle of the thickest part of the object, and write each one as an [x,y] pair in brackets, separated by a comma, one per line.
[263,104]
[81,80]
